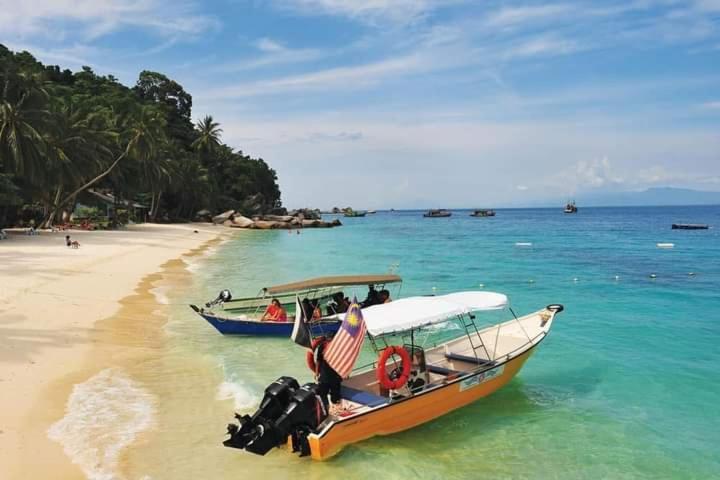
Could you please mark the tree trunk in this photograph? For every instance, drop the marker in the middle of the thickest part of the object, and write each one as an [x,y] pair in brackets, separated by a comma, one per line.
[153,214]
[50,218]
[98,178]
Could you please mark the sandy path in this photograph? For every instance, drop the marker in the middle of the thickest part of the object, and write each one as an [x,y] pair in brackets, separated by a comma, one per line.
[51,299]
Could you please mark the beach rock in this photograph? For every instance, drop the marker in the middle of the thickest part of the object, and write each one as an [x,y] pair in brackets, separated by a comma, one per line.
[265,225]
[228,223]
[203,216]
[277,218]
[223,217]
[241,222]
[306,213]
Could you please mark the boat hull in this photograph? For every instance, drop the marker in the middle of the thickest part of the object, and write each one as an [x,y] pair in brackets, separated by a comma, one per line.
[228,326]
[416,410]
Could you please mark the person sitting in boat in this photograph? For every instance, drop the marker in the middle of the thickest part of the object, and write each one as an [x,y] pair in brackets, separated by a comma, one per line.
[372,297]
[384,296]
[340,305]
[317,312]
[275,312]
[307,308]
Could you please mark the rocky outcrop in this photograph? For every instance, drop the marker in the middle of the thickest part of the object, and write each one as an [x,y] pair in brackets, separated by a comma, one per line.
[306,213]
[241,222]
[223,217]
[296,219]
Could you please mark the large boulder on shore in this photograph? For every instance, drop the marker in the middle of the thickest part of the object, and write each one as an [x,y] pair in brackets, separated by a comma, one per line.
[266,225]
[217,219]
[241,222]
[277,218]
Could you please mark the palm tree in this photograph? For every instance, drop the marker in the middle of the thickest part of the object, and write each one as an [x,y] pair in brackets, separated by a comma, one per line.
[78,142]
[22,120]
[141,132]
[209,135]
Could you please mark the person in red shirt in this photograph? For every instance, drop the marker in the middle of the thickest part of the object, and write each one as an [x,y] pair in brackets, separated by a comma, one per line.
[275,312]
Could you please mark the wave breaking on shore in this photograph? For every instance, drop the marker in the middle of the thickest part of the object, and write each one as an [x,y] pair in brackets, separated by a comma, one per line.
[103,415]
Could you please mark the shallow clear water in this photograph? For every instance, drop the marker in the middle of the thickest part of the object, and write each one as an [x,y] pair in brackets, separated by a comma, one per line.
[625,386]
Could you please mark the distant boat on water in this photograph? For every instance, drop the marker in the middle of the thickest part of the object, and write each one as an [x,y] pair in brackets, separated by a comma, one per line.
[483,213]
[690,226]
[570,207]
[372,212]
[437,213]
[355,213]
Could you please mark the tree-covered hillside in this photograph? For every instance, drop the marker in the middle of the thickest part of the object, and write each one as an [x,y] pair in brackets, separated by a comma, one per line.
[63,133]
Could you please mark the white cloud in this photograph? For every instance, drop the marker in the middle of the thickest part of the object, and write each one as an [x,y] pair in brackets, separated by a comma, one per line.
[369,11]
[516,16]
[711,105]
[269,45]
[545,45]
[59,19]
[342,77]
[273,53]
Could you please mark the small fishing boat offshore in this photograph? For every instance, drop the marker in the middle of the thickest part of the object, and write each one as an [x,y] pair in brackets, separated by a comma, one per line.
[483,213]
[409,384]
[243,316]
[437,213]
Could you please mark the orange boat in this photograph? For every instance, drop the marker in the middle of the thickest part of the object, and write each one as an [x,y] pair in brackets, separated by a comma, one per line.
[409,384]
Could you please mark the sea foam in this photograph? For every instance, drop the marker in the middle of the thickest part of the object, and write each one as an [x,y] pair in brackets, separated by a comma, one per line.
[242,398]
[103,415]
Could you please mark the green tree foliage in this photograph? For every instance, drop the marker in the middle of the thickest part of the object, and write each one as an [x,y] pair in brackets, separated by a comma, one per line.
[63,132]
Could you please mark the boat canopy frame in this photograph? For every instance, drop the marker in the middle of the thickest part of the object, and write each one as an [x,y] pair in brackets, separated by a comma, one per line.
[466,318]
[318,287]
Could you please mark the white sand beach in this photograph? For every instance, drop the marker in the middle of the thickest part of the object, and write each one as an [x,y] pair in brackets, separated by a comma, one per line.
[52,303]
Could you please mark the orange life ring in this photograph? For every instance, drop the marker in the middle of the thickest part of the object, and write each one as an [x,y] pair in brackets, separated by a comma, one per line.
[381,371]
[310,356]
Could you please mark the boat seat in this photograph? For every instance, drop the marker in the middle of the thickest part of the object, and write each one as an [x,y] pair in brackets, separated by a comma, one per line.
[466,358]
[441,370]
[359,396]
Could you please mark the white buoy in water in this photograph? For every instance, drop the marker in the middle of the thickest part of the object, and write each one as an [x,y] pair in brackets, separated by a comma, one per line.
[692,274]
[665,245]
[482,285]
[531,281]
[575,279]
[617,277]
[652,275]
[523,244]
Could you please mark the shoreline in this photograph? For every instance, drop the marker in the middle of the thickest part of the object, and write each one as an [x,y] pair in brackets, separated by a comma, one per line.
[70,315]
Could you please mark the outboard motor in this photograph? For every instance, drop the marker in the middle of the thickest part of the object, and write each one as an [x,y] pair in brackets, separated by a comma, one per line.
[286,410]
[223,296]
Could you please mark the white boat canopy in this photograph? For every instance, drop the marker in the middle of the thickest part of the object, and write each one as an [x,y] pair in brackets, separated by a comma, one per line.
[415,312]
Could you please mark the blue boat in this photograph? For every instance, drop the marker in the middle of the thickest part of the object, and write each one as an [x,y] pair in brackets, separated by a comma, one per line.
[266,329]
[242,316]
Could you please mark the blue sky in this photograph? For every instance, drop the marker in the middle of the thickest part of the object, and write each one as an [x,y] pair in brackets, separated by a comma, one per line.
[419,103]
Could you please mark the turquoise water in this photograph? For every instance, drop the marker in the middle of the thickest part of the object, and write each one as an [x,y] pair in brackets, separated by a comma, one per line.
[625,386]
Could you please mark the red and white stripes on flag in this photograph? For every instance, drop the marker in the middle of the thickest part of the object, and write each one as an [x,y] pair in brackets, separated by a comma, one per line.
[344,348]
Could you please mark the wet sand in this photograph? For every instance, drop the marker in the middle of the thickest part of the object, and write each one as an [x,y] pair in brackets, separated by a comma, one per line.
[69,315]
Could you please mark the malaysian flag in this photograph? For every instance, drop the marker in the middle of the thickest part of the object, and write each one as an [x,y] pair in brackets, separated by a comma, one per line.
[344,348]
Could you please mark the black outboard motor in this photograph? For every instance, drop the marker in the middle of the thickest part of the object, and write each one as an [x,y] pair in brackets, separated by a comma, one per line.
[223,296]
[286,410]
